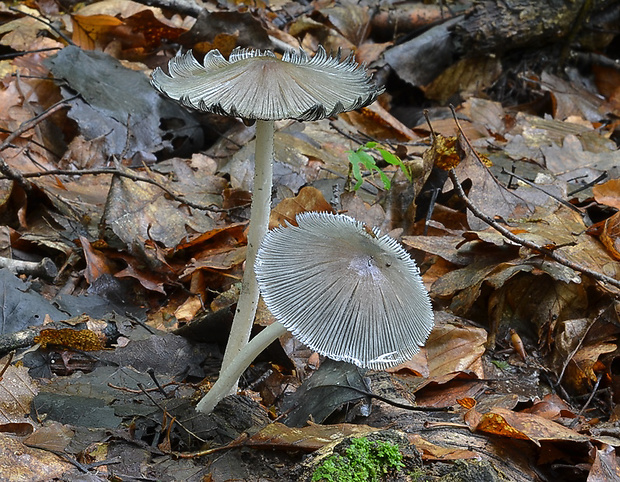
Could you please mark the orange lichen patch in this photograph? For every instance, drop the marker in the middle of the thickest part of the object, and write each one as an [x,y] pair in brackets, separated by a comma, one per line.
[84,340]
[447,153]
[444,152]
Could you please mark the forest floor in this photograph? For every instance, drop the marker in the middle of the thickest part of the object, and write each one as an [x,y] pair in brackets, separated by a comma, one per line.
[123,233]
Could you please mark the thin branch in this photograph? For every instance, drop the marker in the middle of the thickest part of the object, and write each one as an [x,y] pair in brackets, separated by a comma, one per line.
[133,177]
[524,242]
[165,411]
[7,170]
[44,268]
[587,404]
[418,408]
[45,22]
[14,55]
[590,184]
[550,194]
[184,7]
[513,237]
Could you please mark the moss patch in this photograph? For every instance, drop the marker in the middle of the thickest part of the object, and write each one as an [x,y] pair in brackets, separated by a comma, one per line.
[363,460]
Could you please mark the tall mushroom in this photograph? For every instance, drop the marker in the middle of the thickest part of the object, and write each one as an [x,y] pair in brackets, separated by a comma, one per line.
[345,291]
[256,85]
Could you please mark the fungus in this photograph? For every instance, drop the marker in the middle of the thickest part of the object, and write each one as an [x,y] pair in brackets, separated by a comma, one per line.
[256,85]
[344,290]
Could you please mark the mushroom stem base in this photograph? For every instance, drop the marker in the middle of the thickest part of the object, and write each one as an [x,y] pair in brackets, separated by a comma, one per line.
[229,376]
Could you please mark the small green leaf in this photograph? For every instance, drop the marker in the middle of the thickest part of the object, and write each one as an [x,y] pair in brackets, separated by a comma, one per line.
[362,157]
[502,365]
[395,161]
[355,161]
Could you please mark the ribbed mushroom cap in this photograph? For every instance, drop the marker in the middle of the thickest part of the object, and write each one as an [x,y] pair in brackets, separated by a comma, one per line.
[346,293]
[254,84]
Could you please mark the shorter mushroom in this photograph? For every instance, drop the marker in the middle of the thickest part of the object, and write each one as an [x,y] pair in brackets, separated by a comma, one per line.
[342,289]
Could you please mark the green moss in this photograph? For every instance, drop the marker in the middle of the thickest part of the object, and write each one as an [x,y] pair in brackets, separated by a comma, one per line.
[363,461]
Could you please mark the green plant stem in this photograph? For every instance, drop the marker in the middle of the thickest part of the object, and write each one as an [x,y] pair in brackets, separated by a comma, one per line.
[259,223]
[230,375]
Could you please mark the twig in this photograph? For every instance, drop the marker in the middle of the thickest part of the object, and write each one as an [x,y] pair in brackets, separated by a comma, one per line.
[44,268]
[164,410]
[387,400]
[45,22]
[513,237]
[131,390]
[133,177]
[7,170]
[583,409]
[26,52]
[550,194]
[524,242]
[184,7]
[12,341]
[238,442]
[6,365]
[590,184]
[151,374]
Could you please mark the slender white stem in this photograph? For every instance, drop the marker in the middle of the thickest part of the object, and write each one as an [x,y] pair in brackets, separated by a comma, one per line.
[230,375]
[259,223]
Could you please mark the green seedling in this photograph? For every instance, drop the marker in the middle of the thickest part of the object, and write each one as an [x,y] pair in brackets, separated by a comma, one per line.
[362,157]
[502,365]
[363,461]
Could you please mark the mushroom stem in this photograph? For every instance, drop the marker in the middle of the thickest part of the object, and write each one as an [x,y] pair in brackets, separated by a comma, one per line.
[230,375]
[259,223]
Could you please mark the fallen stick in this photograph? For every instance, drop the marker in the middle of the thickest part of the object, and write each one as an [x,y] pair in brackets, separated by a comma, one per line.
[44,268]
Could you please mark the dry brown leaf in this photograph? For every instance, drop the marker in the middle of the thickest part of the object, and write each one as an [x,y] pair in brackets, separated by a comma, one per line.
[88,29]
[605,467]
[453,347]
[607,79]
[610,235]
[571,99]
[378,123]
[28,463]
[351,20]
[17,391]
[525,426]
[223,42]
[97,264]
[550,407]
[608,193]
[447,390]
[307,439]
[434,452]
[467,77]
[308,199]
[20,34]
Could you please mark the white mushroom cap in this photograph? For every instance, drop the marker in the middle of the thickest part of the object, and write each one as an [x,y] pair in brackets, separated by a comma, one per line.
[344,291]
[254,84]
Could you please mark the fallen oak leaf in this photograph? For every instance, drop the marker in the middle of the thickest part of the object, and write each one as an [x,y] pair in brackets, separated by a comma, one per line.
[518,425]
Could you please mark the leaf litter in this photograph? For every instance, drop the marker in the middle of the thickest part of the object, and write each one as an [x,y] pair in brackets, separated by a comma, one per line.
[143,206]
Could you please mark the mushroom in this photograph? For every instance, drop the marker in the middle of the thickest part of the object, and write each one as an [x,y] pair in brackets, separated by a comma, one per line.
[256,85]
[342,289]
